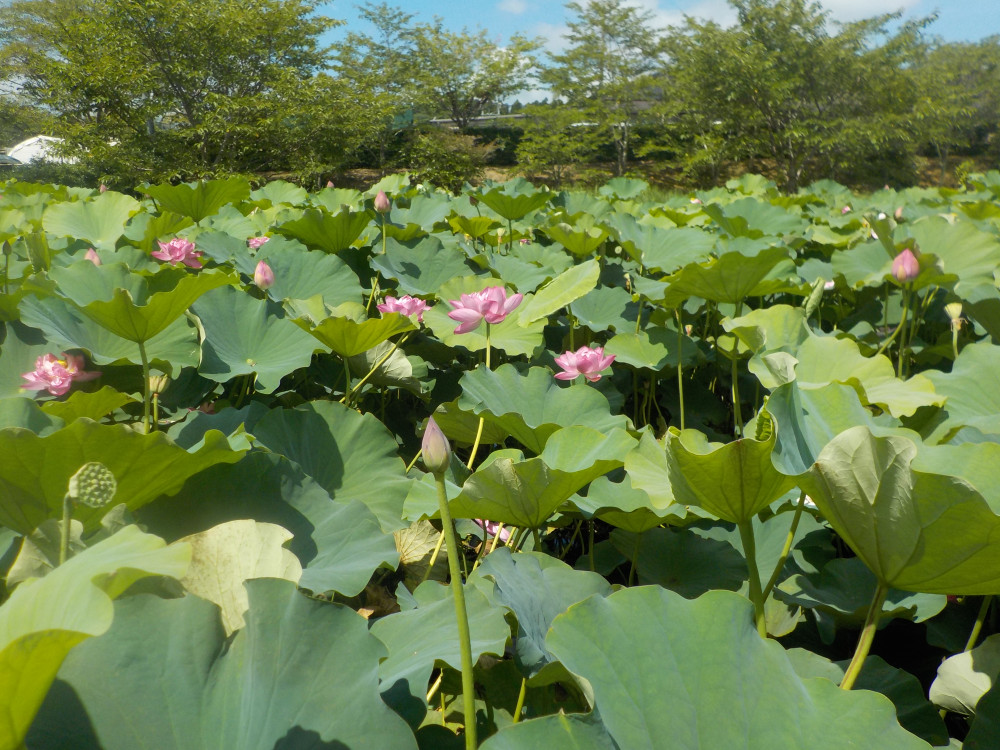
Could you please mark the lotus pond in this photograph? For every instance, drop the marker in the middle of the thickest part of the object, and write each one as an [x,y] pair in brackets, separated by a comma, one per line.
[723,469]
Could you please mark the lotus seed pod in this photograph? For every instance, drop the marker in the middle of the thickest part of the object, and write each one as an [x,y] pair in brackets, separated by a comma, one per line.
[93,485]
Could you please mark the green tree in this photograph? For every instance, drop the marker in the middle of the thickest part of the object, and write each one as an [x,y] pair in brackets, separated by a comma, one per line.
[160,88]
[462,75]
[555,138]
[606,70]
[20,120]
[780,85]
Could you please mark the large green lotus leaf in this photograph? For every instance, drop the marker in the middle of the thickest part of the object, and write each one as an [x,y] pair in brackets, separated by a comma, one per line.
[967,254]
[474,226]
[141,321]
[338,544]
[225,556]
[731,278]
[461,426]
[25,413]
[301,275]
[333,199]
[580,241]
[198,199]
[582,448]
[417,638]
[976,463]
[518,493]
[606,307]
[330,232]
[514,199]
[913,710]
[565,731]
[916,531]
[35,471]
[66,327]
[349,339]
[398,371]
[963,679]
[509,336]
[422,267]
[752,217]
[88,405]
[352,456]
[654,348]
[725,686]
[280,191]
[531,406]
[807,419]
[682,561]
[231,221]
[561,291]
[844,590]
[517,272]
[864,265]
[45,618]
[244,335]
[424,211]
[646,467]
[770,328]
[972,399]
[825,359]
[180,680]
[21,347]
[666,250]
[734,481]
[145,230]
[620,504]
[537,587]
[82,282]
[985,731]
[100,221]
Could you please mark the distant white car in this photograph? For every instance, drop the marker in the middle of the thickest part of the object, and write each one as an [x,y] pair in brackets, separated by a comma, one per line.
[38,148]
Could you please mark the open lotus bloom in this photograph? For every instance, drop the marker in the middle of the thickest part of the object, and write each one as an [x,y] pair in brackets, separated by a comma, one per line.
[491,304]
[255,242]
[406,305]
[584,361]
[55,374]
[178,251]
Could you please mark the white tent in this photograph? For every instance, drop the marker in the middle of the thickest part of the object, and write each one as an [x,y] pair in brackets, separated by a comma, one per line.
[38,148]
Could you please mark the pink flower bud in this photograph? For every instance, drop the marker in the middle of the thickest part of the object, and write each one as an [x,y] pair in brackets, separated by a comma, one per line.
[254,243]
[905,267]
[263,276]
[103,188]
[382,204]
[436,449]
[92,256]
[845,210]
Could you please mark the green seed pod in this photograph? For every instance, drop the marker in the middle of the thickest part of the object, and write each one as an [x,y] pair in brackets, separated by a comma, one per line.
[93,485]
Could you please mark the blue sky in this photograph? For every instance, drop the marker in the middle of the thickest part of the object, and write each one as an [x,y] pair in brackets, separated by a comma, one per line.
[959,20]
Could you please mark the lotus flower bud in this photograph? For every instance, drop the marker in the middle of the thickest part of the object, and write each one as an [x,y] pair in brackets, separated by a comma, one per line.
[92,256]
[158,383]
[899,213]
[435,448]
[103,188]
[382,204]
[954,313]
[263,276]
[93,485]
[905,267]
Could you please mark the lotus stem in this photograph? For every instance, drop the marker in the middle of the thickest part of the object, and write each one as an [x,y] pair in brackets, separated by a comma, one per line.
[413,462]
[434,557]
[381,361]
[569,546]
[461,615]
[482,421]
[593,563]
[435,686]
[984,608]
[145,387]
[756,595]
[536,538]
[680,379]
[867,636]
[65,528]
[520,700]
[787,548]
[635,559]
[737,411]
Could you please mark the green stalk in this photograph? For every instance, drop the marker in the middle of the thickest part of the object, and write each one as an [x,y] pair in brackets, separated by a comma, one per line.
[6,272]
[461,615]
[434,557]
[984,608]
[593,563]
[145,387]
[737,411]
[867,636]
[479,430]
[756,595]
[954,340]
[635,558]
[382,360]
[787,548]
[520,700]
[680,379]
[64,529]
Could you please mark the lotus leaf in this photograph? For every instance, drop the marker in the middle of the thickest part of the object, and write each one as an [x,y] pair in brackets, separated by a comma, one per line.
[100,221]
[327,231]
[198,199]
[963,679]
[560,291]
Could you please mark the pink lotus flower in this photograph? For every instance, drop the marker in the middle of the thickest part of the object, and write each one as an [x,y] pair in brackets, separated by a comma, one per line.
[255,242]
[491,304]
[177,251]
[56,375]
[585,361]
[492,527]
[382,204]
[263,276]
[406,305]
[103,188]
[845,210]
[905,267]
[92,256]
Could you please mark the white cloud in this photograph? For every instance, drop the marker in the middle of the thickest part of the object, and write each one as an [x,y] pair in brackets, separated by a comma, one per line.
[517,7]
[852,10]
